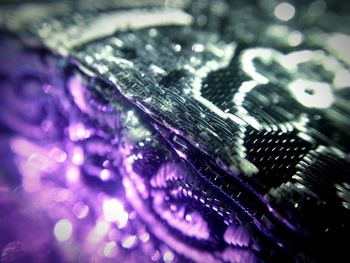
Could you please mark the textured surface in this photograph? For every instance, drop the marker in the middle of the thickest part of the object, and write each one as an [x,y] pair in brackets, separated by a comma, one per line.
[225,130]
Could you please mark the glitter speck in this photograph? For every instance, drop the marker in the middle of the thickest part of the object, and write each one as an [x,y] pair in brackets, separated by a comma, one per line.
[63,230]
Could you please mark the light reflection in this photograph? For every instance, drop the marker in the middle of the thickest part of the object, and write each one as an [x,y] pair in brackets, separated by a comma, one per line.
[40,162]
[58,155]
[295,38]
[63,230]
[80,210]
[78,132]
[99,231]
[339,44]
[237,236]
[113,211]
[129,241]
[284,11]
[77,89]
[63,195]
[23,147]
[72,174]
[110,249]
[78,155]
[312,94]
[102,227]
[106,174]
[144,237]
[31,176]
[342,79]
[31,184]
[168,256]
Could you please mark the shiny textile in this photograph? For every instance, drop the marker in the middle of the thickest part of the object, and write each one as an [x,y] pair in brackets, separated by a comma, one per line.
[174,131]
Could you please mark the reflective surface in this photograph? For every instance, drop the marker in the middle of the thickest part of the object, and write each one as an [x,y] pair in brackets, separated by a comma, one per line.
[214,131]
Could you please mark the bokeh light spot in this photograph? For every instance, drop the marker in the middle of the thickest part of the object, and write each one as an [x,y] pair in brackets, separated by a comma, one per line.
[113,211]
[110,249]
[284,11]
[80,210]
[63,230]
[129,241]
[168,256]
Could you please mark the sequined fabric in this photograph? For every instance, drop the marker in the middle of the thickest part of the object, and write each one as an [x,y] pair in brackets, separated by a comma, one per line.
[174,131]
